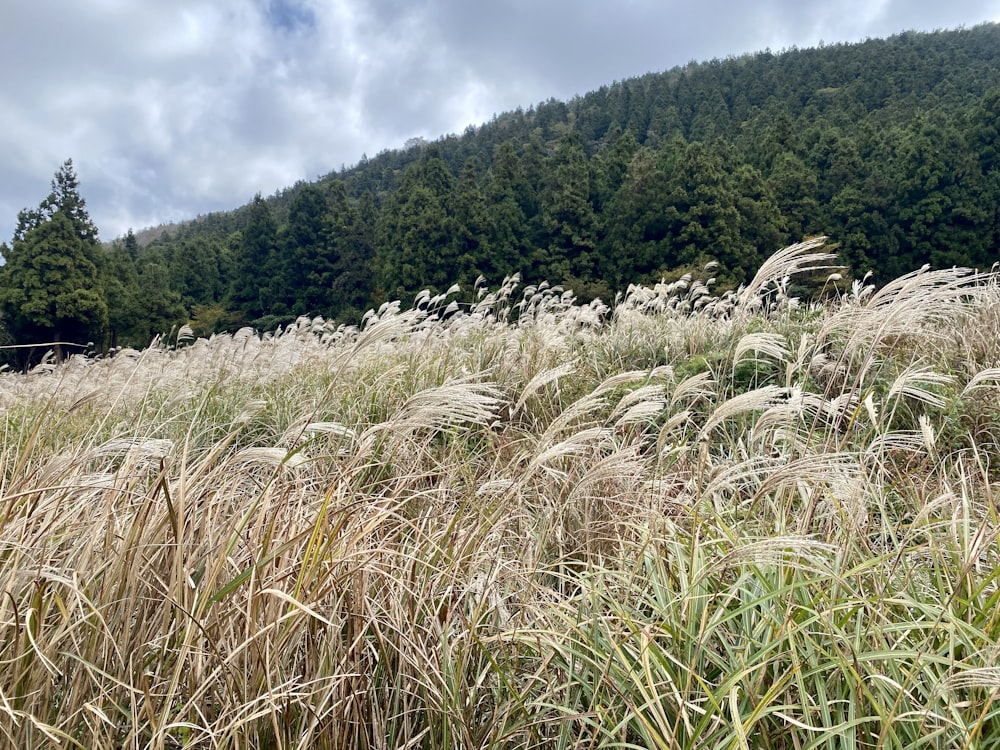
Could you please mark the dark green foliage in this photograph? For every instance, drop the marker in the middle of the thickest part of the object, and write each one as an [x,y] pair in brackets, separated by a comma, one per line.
[199,269]
[65,198]
[415,233]
[164,311]
[350,236]
[51,288]
[259,279]
[309,266]
[568,248]
[506,196]
[126,308]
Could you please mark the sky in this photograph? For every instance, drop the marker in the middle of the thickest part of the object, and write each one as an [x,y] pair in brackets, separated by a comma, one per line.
[174,109]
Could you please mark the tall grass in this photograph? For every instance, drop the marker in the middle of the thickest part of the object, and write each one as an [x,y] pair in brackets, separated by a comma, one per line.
[689,521]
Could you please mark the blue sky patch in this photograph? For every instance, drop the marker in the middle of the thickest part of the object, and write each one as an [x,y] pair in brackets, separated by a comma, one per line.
[290,16]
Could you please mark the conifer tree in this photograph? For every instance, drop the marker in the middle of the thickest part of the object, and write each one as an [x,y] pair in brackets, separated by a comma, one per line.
[126,310]
[471,247]
[508,225]
[257,264]
[415,232]
[568,217]
[309,261]
[349,231]
[50,285]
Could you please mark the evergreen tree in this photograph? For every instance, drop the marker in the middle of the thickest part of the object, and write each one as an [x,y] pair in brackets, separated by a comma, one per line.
[795,187]
[635,223]
[196,267]
[50,285]
[569,251]
[350,235]
[471,248]
[609,167]
[126,310]
[258,265]
[163,310]
[49,290]
[311,263]
[704,217]
[414,235]
[65,198]
[505,201]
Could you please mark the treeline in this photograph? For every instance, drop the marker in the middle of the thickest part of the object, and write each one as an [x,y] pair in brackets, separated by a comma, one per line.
[890,147]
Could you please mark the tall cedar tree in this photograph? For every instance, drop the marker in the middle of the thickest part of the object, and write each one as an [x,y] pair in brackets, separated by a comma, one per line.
[415,231]
[258,265]
[126,310]
[50,285]
[311,265]
[349,233]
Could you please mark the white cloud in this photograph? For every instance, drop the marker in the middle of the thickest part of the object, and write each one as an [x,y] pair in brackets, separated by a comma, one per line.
[174,109]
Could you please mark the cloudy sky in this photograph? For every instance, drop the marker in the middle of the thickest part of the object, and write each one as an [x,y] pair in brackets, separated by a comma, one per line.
[171,109]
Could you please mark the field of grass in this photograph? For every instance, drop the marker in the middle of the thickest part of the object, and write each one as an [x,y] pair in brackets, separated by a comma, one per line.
[688,522]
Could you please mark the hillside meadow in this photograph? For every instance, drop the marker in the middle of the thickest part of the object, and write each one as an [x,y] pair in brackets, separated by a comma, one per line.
[690,521]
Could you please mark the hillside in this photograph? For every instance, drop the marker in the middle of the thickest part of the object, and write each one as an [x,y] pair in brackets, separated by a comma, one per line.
[889,147]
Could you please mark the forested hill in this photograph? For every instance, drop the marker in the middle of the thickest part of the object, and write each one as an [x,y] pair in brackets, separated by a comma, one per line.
[888,146]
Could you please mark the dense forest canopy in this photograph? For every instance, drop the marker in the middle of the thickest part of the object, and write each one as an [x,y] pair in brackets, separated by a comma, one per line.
[889,147]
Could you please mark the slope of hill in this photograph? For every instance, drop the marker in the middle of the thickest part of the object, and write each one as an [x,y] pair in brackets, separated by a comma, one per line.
[889,147]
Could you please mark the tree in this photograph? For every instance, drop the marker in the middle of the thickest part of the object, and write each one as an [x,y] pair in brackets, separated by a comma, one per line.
[504,195]
[350,235]
[197,269]
[415,231]
[310,266]
[163,311]
[126,310]
[50,286]
[48,289]
[65,198]
[568,217]
[635,223]
[471,248]
[258,269]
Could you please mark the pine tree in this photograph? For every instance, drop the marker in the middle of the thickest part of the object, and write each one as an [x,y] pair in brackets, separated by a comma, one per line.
[471,247]
[350,232]
[65,198]
[508,225]
[415,232]
[635,224]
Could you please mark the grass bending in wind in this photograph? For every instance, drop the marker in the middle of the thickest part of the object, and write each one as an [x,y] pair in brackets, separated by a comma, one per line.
[690,521]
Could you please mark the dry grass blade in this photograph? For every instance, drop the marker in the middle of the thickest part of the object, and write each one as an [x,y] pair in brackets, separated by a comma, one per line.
[144,448]
[771,345]
[983,378]
[268,456]
[334,429]
[784,549]
[447,406]
[914,382]
[698,387]
[758,399]
[795,259]
[540,380]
